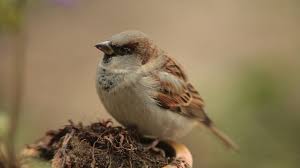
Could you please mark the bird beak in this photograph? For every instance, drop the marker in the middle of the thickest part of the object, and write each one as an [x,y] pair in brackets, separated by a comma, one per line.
[105,47]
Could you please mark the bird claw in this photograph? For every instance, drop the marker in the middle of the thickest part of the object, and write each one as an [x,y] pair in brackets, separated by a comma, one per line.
[153,147]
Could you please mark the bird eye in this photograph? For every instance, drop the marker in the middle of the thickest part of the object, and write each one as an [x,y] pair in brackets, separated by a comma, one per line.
[124,50]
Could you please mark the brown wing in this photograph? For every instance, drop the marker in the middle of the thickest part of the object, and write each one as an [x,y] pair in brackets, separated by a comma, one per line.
[177,95]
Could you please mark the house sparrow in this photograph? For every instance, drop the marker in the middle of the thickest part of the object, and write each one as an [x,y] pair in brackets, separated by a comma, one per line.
[140,84]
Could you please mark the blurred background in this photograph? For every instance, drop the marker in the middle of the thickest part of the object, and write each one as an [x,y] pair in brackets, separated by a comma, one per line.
[242,56]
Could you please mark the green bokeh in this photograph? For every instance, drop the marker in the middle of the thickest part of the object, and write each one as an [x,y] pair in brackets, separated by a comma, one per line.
[268,137]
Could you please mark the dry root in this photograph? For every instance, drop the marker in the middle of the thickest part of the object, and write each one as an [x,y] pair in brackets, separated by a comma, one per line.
[100,145]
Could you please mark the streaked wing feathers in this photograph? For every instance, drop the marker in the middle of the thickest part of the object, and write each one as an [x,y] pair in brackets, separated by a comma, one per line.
[177,95]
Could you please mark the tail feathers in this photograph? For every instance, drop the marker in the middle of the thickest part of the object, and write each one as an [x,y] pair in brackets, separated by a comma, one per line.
[224,138]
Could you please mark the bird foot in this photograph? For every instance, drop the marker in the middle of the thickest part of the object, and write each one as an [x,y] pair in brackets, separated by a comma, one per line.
[153,147]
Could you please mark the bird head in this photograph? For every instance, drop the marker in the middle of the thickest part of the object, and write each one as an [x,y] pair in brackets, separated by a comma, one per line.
[127,50]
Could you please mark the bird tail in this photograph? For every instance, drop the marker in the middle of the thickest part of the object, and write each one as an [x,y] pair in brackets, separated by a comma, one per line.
[223,137]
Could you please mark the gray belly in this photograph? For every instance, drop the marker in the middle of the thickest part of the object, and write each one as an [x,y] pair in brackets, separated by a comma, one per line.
[130,108]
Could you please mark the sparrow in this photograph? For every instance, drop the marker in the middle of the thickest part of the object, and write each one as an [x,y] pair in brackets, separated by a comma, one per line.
[140,84]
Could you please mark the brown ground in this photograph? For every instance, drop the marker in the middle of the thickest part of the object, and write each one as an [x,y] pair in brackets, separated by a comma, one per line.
[1,164]
[99,145]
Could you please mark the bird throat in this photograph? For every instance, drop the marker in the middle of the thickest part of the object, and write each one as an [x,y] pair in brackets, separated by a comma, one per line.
[108,80]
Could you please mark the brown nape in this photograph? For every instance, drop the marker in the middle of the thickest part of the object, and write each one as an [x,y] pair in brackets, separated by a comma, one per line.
[98,145]
[147,51]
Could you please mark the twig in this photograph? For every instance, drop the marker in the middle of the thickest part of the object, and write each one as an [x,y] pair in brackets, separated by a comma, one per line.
[93,154]
[64,147]
[19,84]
